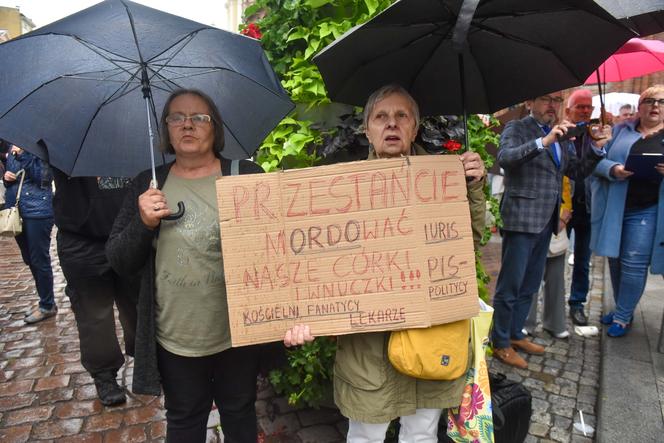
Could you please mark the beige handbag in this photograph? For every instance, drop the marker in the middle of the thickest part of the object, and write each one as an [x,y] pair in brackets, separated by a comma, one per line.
[10,219]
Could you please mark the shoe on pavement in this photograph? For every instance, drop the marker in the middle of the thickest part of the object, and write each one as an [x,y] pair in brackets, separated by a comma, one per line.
[617,330]
[40,314]
[31,309]
[108,390]
[578,316]
[563,334]
[510,357]
[608,319]
[527,346]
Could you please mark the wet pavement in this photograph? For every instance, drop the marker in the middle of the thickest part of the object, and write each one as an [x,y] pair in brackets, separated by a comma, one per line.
[46,395]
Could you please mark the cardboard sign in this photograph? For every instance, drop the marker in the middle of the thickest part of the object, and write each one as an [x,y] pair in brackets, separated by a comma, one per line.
[354,247]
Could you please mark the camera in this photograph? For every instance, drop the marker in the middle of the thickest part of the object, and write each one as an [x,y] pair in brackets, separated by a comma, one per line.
[578,130]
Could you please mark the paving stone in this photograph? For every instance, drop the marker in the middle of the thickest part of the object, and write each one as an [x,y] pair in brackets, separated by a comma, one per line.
[15,387]
[15,434]
[57,428]
[538,429]
[55,395]
[158,430]
[73,409]
[53,382]
[310,417]
[320,434]
[126,434]
[27,415]
[144,414]
[103,422]
[16,401]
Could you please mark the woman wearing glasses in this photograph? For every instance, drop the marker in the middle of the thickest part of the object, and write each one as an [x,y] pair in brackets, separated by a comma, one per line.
[183,335]
[628,209]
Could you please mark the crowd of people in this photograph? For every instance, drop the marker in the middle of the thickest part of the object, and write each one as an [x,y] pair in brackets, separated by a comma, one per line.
[127,251]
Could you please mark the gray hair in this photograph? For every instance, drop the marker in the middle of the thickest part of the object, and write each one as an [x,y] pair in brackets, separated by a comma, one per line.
[386,91]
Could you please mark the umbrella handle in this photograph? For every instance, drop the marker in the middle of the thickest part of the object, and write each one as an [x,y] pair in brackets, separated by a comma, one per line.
[176,215]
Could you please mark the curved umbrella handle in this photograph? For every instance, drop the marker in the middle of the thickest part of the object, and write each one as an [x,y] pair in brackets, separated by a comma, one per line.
[176,215]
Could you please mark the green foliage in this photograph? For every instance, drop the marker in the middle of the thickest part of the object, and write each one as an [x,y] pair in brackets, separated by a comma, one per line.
[307,379]
[293,31]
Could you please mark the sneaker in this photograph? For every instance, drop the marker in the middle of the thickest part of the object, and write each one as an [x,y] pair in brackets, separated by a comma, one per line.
[108,390]
[527,346]
[510,357]
[578,316]
[40,314]
[608,319]
[563,334]
[617,330]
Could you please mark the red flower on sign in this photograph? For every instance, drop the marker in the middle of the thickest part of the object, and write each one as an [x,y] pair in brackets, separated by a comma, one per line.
[452,145]
[252,30]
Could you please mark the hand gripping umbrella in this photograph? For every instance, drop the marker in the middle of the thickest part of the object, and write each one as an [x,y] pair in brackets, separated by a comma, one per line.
[458,57]
[81,87]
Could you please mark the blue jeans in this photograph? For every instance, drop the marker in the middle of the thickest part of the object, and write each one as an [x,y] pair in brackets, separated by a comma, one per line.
[522,267]
[629,272]
[35,244]
[580,273]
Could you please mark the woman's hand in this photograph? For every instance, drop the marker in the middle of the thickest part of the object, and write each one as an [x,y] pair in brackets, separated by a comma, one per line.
[152,207]
[298,335]
[473,165]
[9,176]
[620,173]
[660,168]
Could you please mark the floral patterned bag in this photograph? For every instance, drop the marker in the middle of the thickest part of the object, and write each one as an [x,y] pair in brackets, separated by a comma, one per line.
[472,421]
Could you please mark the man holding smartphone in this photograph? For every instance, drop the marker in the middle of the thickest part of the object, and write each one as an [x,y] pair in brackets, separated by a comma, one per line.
[578,110]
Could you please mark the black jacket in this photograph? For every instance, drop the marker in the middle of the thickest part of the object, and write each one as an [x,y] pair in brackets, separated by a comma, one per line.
[129,250]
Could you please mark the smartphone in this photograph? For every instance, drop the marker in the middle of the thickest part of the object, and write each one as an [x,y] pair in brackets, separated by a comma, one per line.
[578,130]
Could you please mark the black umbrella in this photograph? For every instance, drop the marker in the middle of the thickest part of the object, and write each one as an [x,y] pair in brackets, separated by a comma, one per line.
[89,87]
[643,16]
[505,52]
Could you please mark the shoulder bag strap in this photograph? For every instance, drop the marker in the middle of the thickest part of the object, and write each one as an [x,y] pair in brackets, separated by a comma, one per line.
[20,185]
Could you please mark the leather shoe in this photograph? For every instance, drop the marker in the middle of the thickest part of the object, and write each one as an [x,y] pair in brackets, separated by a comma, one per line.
[510,357]
[527,346]
[578,317]
[108,390]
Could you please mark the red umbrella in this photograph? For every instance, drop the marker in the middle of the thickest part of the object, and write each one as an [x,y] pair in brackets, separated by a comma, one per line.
[635,58]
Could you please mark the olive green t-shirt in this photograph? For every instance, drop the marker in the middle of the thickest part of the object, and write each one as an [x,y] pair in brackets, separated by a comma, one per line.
[191,305]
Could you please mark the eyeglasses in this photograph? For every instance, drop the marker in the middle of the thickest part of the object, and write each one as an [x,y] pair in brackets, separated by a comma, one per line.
[584,107]
[651,101]
[548,99]
[178,119]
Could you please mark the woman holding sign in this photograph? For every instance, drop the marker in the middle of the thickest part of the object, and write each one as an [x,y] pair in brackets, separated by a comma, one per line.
[367,389]
[183,340]
[628,207]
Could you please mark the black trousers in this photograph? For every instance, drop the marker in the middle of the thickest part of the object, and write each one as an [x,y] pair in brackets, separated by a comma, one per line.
[92,299]
[190,385]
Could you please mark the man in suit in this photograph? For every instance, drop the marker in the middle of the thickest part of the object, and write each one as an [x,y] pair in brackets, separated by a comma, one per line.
[534,161]
[579,108]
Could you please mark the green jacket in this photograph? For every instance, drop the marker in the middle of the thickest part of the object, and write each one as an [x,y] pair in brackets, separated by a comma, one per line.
[366,386]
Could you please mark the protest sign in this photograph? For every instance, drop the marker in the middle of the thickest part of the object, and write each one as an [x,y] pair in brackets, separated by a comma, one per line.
[347,248]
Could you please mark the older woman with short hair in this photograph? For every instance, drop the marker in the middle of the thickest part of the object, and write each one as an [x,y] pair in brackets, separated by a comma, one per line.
[367,388]
[183,341]
[627,212]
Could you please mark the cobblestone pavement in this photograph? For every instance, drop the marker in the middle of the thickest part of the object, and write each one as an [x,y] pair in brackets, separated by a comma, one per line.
[46,395]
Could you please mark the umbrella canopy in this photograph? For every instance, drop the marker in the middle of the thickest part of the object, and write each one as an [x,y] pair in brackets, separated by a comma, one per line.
[643,16]
[635,58]
[514,50]
[77,86]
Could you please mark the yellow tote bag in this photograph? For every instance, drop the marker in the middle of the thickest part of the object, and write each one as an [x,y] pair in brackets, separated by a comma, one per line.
[436,353]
